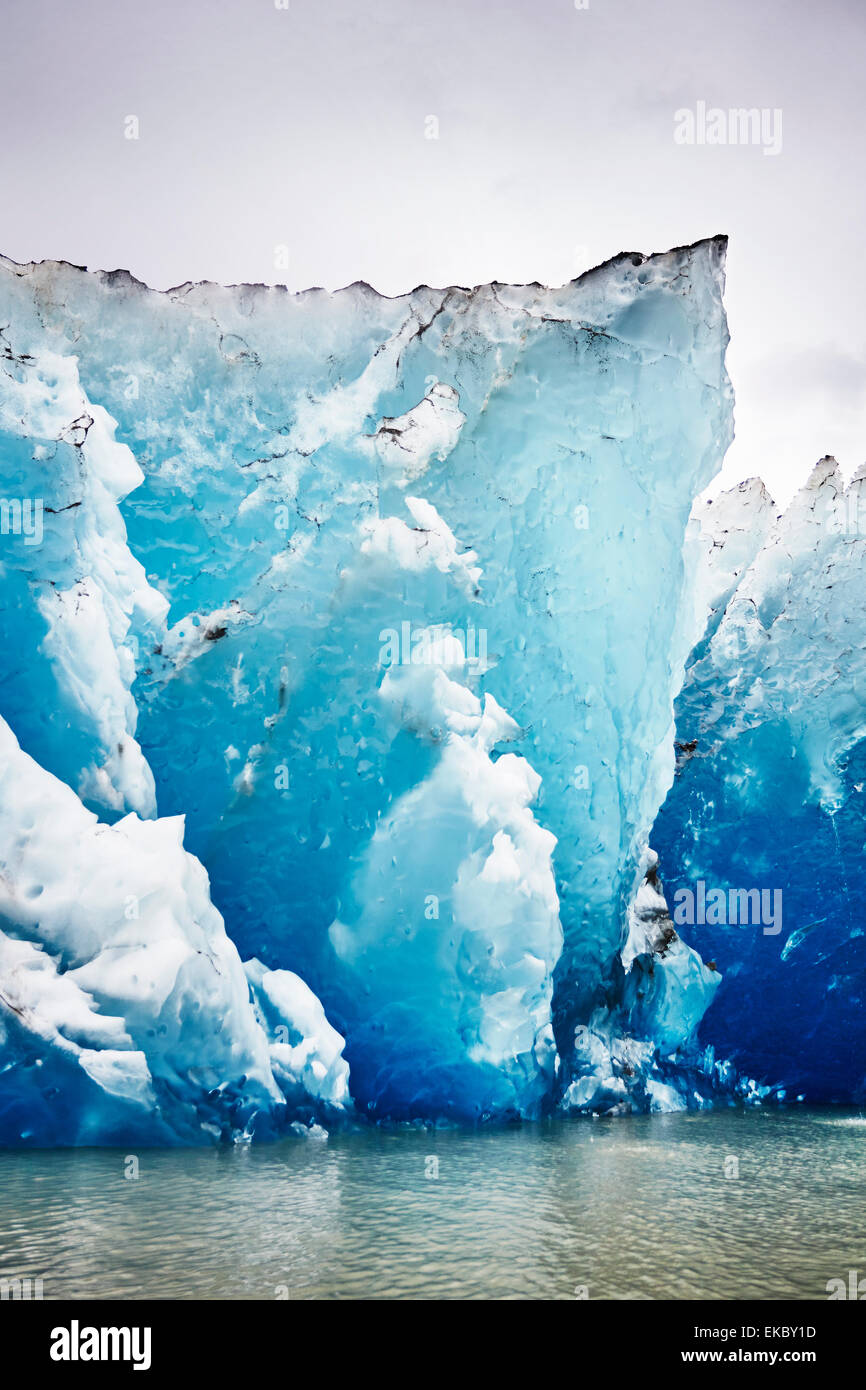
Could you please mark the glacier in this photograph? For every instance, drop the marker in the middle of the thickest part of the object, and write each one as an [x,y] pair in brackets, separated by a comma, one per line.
[348,656]
[768,794]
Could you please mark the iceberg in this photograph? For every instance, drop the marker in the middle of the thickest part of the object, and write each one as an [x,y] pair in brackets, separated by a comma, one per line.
[367,616]
[767,807]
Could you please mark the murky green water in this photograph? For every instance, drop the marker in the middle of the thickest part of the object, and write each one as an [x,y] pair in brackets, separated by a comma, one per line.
[632,1208]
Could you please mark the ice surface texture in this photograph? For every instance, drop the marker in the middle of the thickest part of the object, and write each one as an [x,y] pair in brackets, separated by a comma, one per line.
[126,1012]
[387,599]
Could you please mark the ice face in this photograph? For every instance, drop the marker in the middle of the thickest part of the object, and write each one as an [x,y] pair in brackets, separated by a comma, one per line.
[74,597]
[466,981]
[768,800]
[395,619]
[126,1013]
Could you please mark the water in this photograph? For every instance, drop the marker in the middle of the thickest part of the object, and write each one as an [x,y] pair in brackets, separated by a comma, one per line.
[633,1208]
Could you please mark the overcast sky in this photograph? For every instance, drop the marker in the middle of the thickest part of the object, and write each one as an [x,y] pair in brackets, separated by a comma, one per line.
[309,127]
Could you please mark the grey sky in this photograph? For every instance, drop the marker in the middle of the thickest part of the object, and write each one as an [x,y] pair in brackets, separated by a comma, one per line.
[307,128]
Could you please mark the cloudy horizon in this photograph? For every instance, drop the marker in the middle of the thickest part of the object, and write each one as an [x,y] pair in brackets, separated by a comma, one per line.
[245,140]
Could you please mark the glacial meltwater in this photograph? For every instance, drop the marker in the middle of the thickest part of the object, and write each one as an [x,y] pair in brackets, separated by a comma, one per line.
[757,1204]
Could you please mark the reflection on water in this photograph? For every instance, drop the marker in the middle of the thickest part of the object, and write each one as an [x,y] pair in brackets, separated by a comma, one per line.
[630,1208]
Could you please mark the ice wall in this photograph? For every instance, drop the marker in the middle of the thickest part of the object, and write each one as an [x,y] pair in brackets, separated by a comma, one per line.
[769,793]
[405,582]
[125,1012]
